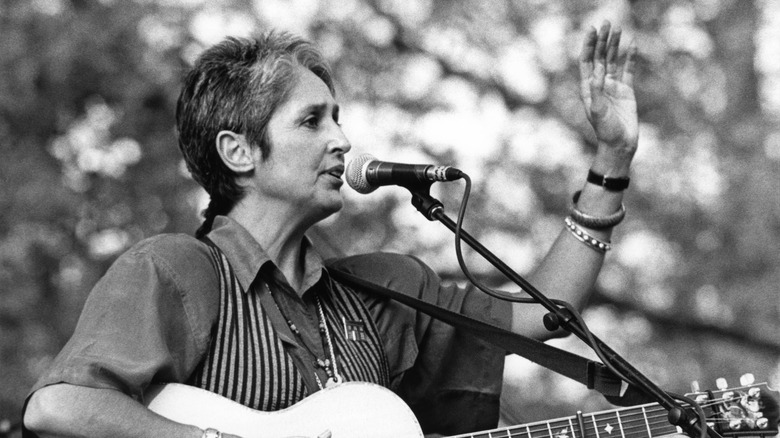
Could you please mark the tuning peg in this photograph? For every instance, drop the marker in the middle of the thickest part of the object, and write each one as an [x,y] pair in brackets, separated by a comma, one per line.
[747,379]
[721,383]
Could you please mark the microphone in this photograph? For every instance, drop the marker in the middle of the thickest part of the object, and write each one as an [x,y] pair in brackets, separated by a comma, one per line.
[365,174]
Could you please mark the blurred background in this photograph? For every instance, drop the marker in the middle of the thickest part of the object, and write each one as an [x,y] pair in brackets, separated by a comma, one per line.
[690,292]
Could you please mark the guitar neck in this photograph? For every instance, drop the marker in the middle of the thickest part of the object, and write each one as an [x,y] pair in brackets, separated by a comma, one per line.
[746,412]
[645,421]
[345,410]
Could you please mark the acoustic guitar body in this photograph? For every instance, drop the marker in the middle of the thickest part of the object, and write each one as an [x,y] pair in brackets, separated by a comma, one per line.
[348,410]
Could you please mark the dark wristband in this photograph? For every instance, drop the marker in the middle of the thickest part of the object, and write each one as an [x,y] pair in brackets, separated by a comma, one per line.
[611,184]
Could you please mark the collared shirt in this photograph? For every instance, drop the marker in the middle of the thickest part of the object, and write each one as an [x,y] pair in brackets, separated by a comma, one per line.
[149,319]
[254,270]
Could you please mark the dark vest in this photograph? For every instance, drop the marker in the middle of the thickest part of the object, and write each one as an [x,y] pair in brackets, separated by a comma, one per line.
[248,363]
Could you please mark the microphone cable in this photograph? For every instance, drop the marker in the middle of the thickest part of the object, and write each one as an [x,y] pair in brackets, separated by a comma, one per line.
[575,315]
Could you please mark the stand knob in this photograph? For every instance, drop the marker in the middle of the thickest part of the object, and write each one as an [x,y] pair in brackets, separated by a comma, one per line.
[676,416]
[551,322]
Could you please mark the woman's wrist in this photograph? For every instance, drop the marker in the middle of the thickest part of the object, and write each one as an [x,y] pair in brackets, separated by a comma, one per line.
[605,182]
[597,200]
[613,160]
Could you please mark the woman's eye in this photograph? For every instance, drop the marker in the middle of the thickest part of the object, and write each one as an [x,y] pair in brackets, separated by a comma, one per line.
[311,121]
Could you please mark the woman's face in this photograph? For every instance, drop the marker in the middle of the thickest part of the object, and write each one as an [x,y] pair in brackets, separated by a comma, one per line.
[307,147]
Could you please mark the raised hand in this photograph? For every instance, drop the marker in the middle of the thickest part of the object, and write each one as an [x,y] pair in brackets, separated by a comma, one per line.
[607,90]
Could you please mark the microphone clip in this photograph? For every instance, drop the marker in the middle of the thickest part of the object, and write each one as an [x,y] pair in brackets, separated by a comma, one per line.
[422,200]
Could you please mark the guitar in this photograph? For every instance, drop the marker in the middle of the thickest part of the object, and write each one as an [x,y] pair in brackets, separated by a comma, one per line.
[359,410]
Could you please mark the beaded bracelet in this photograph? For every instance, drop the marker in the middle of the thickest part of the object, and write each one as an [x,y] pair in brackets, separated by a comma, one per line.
[586,238]
[211,433]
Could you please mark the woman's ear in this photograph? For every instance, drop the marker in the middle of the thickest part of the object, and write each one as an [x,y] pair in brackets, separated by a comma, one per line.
[235,151]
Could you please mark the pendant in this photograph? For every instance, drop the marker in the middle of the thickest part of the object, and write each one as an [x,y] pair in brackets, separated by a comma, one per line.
[330,383]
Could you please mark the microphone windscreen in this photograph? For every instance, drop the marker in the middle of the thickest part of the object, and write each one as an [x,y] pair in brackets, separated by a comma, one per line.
[355,176]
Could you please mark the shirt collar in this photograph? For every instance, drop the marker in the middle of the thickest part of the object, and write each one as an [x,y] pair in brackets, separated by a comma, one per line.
[247,257]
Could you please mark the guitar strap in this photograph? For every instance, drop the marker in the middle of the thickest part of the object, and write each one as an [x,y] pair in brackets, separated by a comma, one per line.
[590,373]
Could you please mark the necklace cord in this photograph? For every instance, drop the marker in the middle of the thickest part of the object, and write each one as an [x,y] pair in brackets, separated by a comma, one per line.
[334,367]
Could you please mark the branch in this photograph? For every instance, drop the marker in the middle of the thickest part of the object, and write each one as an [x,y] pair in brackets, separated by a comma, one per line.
[675,321]
[680,322]
[406,40]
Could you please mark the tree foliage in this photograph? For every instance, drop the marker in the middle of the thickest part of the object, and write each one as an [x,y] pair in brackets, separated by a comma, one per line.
[690,291]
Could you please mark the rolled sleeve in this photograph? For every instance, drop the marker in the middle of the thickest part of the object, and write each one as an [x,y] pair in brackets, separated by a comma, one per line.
[450,378]
[147,320]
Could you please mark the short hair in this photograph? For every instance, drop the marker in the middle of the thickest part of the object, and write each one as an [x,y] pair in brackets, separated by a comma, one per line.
[237,85]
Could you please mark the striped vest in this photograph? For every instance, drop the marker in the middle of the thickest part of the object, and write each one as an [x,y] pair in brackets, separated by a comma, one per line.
[247,362]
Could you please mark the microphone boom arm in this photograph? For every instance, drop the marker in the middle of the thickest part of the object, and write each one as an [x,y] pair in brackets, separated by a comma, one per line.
[433,210]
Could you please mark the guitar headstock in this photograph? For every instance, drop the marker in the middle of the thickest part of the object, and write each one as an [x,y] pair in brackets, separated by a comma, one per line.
[748,410]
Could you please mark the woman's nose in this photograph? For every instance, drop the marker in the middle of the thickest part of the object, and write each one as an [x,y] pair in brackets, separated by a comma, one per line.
[340,142]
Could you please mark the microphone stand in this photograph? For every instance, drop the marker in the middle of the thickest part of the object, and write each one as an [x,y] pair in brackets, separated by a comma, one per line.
[433,209]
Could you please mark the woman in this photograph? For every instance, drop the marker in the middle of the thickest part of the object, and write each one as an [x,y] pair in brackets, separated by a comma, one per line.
[248,309]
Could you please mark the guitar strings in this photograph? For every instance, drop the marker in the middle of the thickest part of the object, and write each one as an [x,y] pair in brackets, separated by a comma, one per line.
[651,417]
